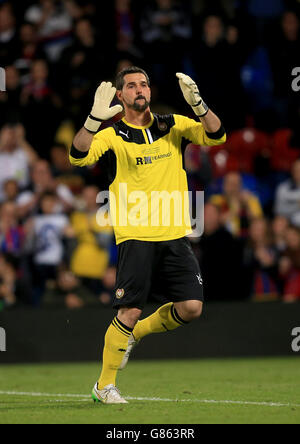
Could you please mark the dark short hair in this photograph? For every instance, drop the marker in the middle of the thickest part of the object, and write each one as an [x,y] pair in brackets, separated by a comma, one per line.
[132,70]
[48,195]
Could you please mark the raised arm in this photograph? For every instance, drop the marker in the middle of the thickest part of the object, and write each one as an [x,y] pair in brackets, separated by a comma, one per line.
[101,111]
[83,140]
[210,121]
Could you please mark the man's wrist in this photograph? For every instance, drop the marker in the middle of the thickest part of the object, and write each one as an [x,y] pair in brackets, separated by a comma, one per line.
[92,124]
[201,109]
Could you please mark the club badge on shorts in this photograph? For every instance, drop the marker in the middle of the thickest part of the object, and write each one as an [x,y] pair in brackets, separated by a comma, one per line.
[120,293]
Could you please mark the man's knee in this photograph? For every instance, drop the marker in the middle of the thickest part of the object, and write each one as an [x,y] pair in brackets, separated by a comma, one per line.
[129,316]
[189,310]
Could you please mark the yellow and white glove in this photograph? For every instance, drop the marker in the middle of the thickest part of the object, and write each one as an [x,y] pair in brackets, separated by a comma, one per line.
[101,110]
[191,94]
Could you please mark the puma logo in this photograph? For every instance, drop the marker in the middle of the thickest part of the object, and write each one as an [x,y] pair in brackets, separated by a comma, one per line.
[199,279]
[125,134]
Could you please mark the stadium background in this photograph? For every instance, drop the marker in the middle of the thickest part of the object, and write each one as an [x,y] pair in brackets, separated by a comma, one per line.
[57,267]
[241,53]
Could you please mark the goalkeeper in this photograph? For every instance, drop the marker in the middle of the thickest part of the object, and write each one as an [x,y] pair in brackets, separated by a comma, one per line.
[144,152]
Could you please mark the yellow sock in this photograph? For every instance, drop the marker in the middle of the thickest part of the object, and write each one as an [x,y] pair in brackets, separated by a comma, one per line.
[116,341]
[164,319]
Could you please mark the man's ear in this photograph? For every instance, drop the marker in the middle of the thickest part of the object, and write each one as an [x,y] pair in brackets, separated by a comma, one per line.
[119,95]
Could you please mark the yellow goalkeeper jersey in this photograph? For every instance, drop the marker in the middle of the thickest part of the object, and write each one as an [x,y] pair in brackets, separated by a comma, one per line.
[147,178]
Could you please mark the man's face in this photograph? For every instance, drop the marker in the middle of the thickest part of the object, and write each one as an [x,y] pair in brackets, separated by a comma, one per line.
[41,174]
[232,184]
[89,195]
[8,139]
[48,205]
[136,94]
[212,219]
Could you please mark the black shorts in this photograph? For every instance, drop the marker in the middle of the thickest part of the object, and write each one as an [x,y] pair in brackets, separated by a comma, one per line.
[167,269]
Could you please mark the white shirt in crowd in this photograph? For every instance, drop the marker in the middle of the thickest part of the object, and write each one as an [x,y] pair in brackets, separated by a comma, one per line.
[14,165]
[58,23]
[287,202]
[48,233]
[62,192]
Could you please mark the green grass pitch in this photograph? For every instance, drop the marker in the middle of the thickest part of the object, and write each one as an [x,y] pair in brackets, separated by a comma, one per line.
[186,392]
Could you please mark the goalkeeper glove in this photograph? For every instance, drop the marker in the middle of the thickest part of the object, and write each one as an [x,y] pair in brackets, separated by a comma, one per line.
[101,110]
[191,94]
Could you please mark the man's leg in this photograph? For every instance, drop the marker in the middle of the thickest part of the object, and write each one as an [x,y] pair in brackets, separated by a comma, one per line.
[181,274]
[116,341]
[189,310]
[180,278]
[168,317]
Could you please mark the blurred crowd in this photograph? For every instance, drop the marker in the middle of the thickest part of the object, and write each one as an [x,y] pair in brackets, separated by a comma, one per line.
[241,53]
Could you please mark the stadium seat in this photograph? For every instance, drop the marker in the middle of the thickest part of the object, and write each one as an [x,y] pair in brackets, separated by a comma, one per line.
[244,145]
[282,154]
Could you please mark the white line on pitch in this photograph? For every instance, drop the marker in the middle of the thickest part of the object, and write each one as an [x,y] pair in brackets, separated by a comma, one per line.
[131,398]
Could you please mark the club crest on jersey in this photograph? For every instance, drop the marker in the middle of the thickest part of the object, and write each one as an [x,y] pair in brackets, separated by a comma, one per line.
[162,126]
[120,293]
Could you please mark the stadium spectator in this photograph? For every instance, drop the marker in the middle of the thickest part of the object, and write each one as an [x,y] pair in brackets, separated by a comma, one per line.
[264,16]
[280,224]
[39,104]
[108,286]
[45,42]
[8,35]
[198,167]
[7,283]
[10,99]
[16,156]
[91,256]
[11,191]
[260,262]
[64,173]
[80,8]
[211,45]
[166,31]
[238,206]
[68,292]
[219,255]
[125,28]
[290,266]
[163,24]
[287,201]
[44,238]
[283,55]
[82,60]
[226,8]
[29,48]
[85,66]
[14,289]
[11,232]
[54,24]
[42,182]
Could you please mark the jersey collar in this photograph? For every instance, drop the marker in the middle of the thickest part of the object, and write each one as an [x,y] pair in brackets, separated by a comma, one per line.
[139,127]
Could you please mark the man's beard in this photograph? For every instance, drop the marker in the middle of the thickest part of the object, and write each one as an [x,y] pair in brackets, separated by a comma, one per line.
[137,106]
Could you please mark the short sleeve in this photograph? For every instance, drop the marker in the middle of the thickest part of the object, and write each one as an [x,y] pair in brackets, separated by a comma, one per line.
[102,142]
[195,132]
